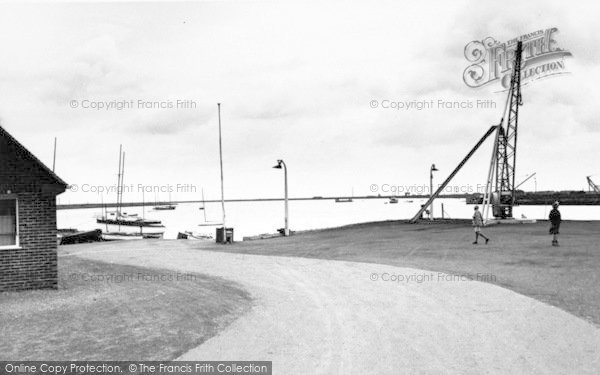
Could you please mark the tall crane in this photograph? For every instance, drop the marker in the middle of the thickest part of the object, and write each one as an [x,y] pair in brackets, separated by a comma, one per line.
[500,189]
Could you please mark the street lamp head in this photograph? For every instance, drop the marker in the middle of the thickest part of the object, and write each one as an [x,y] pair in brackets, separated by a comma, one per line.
[278,166]
[433,168]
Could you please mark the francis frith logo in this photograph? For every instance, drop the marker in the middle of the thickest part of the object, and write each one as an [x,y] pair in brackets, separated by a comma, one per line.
[491,61]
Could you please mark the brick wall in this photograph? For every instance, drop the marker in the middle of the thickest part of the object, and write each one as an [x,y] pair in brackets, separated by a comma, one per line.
[34,265]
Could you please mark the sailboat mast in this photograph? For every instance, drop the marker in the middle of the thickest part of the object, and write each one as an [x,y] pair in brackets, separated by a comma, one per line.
[54,158]
[119,180]
[122,178]
[203,205]
[221,164]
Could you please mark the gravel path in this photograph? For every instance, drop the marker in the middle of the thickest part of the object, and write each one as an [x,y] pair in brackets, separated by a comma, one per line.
[330,317]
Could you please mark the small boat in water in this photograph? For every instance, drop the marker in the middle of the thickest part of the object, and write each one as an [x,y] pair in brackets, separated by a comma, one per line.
[116,233]
[169,206]
[393,200]
[165,207]
[345,199]
[116,218]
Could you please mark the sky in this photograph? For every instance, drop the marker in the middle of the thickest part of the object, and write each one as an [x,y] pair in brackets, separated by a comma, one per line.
[297,81]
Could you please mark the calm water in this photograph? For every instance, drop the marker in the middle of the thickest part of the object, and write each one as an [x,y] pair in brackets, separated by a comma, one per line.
[252,218]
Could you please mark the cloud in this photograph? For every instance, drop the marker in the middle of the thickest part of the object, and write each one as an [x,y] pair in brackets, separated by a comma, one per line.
[94,70]
[168,121]
[295,81]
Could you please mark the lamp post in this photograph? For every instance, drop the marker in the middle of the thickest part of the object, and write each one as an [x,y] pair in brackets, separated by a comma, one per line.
[280,165]
[431,170]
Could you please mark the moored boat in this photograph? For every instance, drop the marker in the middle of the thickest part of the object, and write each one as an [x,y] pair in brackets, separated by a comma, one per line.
[165,207]
[123,219]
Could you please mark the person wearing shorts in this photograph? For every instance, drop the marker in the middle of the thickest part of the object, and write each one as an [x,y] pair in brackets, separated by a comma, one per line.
[477,224]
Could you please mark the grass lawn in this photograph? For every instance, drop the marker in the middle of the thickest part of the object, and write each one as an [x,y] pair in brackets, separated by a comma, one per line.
[518,256]
[142,315]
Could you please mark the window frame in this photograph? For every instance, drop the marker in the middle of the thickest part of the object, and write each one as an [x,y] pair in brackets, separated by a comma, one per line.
[16,245]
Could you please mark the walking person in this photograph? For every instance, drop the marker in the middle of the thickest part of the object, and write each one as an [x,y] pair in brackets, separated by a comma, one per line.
[555,220]
[477,224]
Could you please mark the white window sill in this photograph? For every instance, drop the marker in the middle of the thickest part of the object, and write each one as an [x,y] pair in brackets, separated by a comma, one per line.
[11,247]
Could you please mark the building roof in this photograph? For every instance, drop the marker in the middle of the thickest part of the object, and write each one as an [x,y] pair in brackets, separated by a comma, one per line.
[28,154]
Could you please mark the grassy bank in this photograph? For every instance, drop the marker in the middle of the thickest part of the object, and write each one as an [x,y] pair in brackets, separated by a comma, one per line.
[519,257]
[107,311]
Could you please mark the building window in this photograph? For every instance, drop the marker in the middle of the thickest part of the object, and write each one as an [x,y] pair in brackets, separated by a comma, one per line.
[8,221]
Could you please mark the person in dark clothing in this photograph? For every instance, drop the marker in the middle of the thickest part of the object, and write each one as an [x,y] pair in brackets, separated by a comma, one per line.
[555,220]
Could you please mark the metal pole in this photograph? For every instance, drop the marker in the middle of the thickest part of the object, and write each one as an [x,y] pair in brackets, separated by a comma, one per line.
[287,229]
[54,159]
[203,205]
[419,214]
[221,164]
[431,192]
[487,197]
[119,179]
[525,180]
[122,179]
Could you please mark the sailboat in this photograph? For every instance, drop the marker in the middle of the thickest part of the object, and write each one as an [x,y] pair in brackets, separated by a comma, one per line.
[206,222]
[222,223]
[345,200]
[169,206]
[203,204]
[147,228]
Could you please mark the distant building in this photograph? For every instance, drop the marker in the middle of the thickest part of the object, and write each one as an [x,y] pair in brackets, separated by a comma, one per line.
[28,245]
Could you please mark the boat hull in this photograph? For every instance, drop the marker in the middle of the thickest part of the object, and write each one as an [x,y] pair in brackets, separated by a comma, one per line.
[73,237]
[120,236]
[131,223]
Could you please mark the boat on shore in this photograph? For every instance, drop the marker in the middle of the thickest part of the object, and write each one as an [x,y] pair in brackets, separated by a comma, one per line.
[74,236]
[188,235]
[121,236]
[155,236]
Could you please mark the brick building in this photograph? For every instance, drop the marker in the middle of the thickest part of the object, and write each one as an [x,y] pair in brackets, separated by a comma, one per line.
[28,246]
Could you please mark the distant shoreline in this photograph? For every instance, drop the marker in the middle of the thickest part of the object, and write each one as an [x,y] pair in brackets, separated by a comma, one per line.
[542,199]
[316,198]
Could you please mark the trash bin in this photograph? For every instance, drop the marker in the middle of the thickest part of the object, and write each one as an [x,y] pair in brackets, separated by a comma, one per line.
[224,235]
